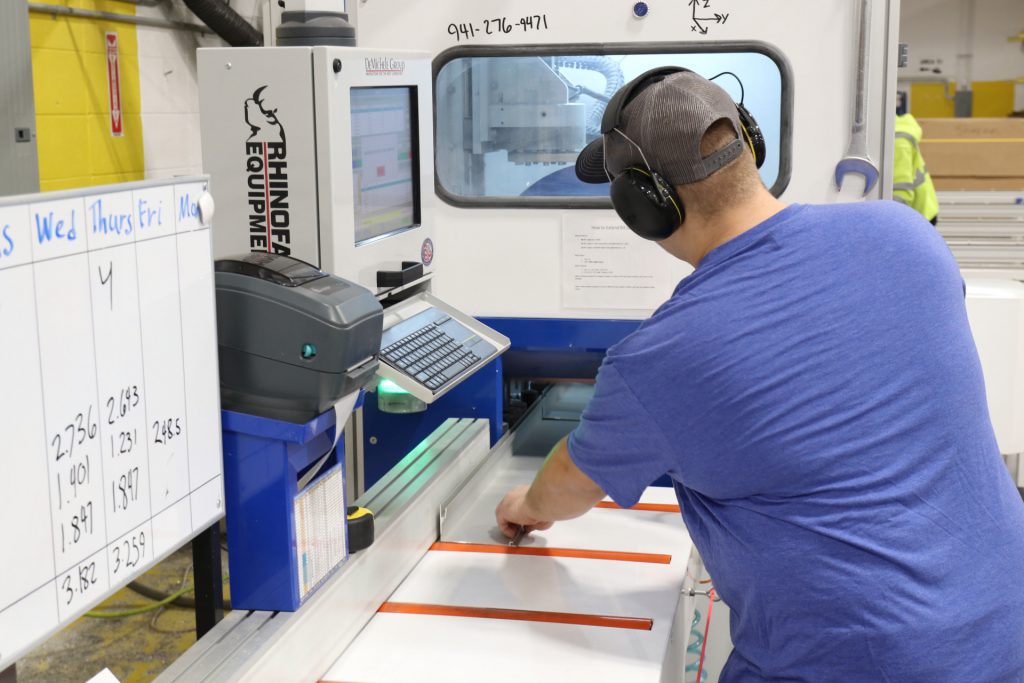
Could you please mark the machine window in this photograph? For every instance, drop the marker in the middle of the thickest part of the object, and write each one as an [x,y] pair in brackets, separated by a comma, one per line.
[385,164]
[510,121]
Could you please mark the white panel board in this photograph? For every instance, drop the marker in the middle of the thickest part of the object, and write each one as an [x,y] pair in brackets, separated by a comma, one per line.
[995,308]
[605,266]
[454,649]
[106,326]
[447,648]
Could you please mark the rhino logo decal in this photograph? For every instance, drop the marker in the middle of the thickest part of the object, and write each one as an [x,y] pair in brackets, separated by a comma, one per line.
[263,123]
[266,165]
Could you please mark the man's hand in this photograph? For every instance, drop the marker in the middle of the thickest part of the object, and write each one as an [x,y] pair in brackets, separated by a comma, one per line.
[560,491]
[512,513]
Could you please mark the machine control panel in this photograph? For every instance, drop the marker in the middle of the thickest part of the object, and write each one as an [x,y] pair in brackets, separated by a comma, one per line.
[434,349]
[428,347]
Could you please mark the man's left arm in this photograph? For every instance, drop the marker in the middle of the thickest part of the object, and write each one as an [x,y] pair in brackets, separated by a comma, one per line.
[560,491]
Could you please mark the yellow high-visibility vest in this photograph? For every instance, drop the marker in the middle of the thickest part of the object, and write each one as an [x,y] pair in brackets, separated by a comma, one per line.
[911,183]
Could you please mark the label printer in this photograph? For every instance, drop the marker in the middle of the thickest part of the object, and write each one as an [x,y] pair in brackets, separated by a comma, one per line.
[294,342]
[293,339]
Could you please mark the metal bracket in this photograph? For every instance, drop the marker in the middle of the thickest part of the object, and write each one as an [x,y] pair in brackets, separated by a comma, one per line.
[707,594]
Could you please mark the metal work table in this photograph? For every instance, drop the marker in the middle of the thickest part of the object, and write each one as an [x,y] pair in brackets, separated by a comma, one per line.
[446,489]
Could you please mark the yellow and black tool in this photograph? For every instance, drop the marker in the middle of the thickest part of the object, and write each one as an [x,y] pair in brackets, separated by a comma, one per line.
[360,528]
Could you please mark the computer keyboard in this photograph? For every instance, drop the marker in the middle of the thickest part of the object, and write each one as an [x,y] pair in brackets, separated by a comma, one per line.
[433,348]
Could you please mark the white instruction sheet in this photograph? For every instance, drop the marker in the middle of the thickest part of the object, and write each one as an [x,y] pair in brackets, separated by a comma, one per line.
[604,265]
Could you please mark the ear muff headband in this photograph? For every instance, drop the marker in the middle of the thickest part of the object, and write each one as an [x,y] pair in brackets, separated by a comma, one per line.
[645,202]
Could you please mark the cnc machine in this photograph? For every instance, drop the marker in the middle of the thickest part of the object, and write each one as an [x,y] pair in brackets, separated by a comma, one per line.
[429,159]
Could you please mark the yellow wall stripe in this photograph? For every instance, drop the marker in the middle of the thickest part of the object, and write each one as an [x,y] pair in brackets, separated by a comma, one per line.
[69,77]
[991,99]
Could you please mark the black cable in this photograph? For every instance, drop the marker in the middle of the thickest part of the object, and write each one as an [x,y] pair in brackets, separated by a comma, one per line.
[226,22]
[729,73]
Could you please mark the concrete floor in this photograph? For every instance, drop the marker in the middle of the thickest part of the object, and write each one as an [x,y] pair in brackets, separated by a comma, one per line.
[136,649]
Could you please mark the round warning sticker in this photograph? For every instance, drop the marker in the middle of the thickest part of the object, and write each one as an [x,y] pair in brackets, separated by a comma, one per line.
[427,252]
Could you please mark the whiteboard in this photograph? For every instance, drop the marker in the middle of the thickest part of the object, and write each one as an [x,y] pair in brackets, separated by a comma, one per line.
[110,447]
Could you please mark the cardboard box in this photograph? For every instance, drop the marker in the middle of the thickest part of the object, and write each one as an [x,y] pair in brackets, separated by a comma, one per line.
[973,147]
[976,184]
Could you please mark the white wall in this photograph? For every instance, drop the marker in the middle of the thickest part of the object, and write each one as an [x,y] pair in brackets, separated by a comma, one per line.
[170,97]
[932,29]
[169,88]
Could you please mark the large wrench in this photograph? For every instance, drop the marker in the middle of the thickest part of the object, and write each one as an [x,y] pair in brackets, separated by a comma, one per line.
[857,159]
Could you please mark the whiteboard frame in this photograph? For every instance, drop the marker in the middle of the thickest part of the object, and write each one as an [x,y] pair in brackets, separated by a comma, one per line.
[10,658]
[92,190]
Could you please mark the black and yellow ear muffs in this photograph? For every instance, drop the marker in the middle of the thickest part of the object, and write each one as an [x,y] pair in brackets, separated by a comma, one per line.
[644,200]
[647,203]
[752,131]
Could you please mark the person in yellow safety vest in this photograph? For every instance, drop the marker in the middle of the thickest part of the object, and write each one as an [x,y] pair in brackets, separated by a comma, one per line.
[911,183]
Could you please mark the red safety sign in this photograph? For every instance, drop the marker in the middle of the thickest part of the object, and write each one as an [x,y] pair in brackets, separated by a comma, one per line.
[114,86]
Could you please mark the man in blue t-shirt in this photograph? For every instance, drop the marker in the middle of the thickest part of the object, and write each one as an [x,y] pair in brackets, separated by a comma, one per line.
[814,392]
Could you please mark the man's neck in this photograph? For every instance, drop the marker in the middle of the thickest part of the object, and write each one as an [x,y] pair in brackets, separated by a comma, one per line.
[705,235]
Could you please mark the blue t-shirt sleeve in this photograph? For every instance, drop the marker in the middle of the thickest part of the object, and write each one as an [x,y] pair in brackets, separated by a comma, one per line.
[617,444]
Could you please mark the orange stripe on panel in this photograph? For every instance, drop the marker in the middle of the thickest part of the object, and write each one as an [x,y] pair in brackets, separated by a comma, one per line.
[643,507]
[634,623]
[582,553]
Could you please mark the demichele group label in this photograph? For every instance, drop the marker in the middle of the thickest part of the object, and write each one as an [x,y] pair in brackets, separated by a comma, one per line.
[384,66]
[266,167]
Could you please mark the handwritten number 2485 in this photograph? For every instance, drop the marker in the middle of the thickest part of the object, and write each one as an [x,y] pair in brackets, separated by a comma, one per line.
[165,430]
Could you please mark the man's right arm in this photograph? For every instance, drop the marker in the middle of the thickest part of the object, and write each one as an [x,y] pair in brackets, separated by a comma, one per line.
[618,448]
[560,491]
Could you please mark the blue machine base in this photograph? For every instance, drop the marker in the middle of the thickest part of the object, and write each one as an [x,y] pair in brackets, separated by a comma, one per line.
[541,347]
[389,437]
[263,460]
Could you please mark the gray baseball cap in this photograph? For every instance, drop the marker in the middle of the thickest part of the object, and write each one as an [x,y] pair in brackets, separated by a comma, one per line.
[665,113]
